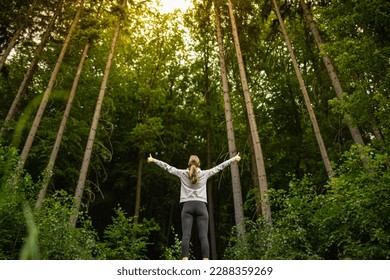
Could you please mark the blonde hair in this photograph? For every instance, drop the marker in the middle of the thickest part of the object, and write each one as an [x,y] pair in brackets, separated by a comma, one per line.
[193,164]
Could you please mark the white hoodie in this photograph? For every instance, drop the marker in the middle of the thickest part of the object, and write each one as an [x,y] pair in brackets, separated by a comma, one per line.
[189,191]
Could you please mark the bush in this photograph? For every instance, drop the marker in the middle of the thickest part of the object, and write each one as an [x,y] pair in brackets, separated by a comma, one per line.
[253,245]
[43,234]
[351,219]
[47,234]
[354,220]
[12,201]
[124,239]
[58,240]
[174,252]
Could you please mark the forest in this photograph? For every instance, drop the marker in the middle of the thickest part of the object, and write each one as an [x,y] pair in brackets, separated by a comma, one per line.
[90,88]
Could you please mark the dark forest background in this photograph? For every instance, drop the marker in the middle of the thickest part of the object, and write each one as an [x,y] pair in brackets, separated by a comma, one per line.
[162,94]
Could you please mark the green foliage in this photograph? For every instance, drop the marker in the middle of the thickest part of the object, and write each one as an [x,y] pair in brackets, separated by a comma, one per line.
[58,240]
[8,161]
[12,204]
[125,239]
[353,220]
[145,135]
[291,235]
[30,250]
[359,46]
[12,226]
[46,233]
[42,234]
[174,251]
[350,220]
[253,245]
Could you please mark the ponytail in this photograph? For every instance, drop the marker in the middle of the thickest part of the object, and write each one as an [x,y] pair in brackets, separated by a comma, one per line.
[193,174]
[193,165]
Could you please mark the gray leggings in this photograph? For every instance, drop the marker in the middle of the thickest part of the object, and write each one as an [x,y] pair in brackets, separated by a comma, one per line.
[197,210]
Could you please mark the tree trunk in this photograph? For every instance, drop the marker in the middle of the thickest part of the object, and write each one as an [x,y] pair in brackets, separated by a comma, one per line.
[306,97]
[265,207]
[354,130]
[16,35]
[210,205]
[92,133]
[27,77]
[53,156]
[235,173]
[138,188]
[254,175]
[210,198]
[10,47]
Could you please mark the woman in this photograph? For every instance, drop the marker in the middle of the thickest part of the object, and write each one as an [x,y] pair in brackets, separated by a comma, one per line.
[193,195]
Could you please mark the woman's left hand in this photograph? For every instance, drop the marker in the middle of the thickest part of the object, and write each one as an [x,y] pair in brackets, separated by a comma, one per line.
[236,158]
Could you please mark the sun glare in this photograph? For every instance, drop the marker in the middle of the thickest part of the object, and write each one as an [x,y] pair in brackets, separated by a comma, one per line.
[169,6]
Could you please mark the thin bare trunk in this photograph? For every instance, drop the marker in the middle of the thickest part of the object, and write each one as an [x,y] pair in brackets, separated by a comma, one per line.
[10,47]
[210,204]
[254,175]
[210,198]
[140,163]
[53,156]
[92,133]
[263,185]
[169,227]
[138,188]
[354,130]
[27,77]
[306,97]
[235,173]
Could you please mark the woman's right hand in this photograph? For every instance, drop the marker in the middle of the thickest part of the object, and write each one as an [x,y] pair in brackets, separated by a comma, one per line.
[151,159]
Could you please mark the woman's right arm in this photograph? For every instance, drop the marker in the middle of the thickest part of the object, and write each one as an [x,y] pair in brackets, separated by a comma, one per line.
[164,165]
[151,159]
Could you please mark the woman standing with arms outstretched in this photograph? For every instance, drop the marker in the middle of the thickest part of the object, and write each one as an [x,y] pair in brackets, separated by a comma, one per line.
[193,195]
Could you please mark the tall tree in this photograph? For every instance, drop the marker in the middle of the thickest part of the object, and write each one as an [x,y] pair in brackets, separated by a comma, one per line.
[355,132]
[95,121]
[28,75]
[234,170]
[306,97]
[56,147]
[260,165]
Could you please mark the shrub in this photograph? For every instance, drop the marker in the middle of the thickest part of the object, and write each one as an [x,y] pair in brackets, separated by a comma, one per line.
[58,240]
[351,219]
[12,201]
[124,239]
